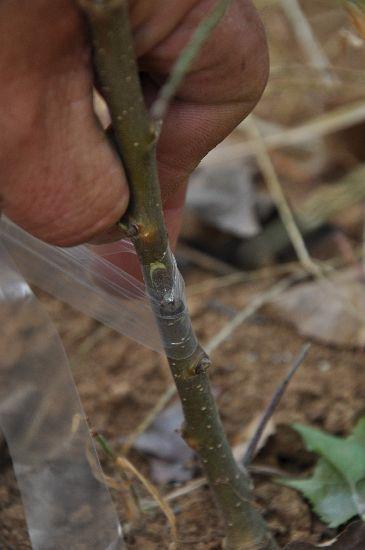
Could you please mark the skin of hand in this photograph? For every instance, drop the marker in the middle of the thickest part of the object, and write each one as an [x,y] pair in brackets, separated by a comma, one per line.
[60,179]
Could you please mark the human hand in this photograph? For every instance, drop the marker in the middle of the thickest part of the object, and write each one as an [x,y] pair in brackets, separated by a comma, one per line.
[60,179]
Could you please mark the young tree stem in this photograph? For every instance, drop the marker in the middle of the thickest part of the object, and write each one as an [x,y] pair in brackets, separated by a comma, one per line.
[135,138]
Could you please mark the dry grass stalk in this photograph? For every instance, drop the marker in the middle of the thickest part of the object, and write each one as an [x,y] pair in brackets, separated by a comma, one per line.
[307,41]
[126,466]
[277,193]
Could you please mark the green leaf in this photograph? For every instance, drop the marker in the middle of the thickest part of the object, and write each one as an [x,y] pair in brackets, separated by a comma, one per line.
[336,489]
[346,455]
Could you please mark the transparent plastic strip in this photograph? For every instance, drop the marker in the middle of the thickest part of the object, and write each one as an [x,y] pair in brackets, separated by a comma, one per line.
[87,281]
[66,502]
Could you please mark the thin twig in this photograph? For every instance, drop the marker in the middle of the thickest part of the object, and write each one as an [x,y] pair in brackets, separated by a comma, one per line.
[308,42]
[313,129]
[195,484]
[253,306]
[185,60]
[205,260]
[240,277]
[131,499]
[272,406]
[98,335]
[148,420]
[263,274]
[273,183]
[124,465]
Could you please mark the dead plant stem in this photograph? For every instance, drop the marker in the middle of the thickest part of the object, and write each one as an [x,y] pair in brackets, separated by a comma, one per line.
[273,404]
[277,193]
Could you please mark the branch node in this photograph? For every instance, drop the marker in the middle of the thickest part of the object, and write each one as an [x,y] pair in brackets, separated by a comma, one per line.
[133,230]
[202,366]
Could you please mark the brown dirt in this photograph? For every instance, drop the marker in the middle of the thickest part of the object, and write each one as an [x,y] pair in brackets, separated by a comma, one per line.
[119,382]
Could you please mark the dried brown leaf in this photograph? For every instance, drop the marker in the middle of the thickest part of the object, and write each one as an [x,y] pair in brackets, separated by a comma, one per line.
[332,311]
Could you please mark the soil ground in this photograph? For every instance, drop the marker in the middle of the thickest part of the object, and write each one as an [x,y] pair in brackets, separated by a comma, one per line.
[119,382]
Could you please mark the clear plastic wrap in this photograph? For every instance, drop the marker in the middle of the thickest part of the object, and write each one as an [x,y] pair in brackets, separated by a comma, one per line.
[170,305]
[87,281]
[67,504]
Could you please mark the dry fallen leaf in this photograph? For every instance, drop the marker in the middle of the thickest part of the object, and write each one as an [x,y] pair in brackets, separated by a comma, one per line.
[331,310]
[170,457]
[224,197]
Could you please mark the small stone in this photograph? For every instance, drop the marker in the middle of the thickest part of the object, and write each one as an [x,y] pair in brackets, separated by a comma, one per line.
[324,366]
[120,390]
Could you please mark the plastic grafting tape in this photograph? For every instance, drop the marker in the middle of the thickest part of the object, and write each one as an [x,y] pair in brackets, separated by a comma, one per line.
[170,306]
[66,502]
[82,278]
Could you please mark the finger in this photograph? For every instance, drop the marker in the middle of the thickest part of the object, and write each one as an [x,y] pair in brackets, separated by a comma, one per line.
[224,85]
[60,180]
[152,21]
